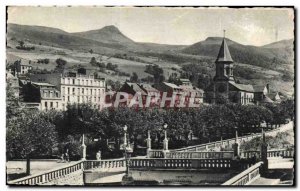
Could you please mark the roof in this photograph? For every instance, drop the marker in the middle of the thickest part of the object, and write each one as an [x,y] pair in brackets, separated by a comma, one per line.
[224,54]
[136,88]
[191,89]
[43,84]
[244,87]
[266,99]
[172,85]
[272,95]
[184,80]
[258,88]
[148,88]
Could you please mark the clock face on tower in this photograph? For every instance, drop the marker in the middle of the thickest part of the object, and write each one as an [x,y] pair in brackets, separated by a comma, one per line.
[221,88]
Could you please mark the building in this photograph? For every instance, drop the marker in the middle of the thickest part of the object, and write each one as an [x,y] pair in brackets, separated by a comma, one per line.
[22,68]
[224,88]
[76,87]
[43,96]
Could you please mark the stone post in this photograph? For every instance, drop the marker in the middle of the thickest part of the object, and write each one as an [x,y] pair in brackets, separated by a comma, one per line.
[83,149]
[166,149]
[264,153]
[236,146]
[148,144]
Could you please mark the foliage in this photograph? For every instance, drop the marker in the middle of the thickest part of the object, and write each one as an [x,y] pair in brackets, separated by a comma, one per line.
[60,64]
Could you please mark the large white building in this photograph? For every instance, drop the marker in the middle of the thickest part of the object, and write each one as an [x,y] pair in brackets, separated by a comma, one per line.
[76,87]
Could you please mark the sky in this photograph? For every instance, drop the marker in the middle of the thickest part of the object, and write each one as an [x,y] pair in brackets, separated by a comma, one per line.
[181,26]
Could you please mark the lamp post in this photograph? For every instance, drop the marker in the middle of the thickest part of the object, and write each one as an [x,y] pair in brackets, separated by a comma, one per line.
[264,151]
[148,144]
[236,145]
[83,149]
[127,179]
[166,149]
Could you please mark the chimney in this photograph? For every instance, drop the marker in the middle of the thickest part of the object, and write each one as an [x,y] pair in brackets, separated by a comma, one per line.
[268,88]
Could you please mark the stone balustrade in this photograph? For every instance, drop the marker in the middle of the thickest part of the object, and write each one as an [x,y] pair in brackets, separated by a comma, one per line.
[155,154]
[113,163]
[181,163]
[245,177]
[229,142]
[201,154]
[48,176]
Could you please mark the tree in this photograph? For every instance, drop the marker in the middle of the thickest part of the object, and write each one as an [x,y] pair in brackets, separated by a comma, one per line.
[21,43]
[134,77]
[30,133]
[91,51]
[60,64]
[93,61]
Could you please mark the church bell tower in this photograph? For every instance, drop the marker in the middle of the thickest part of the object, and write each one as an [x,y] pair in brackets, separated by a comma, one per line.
[224,63]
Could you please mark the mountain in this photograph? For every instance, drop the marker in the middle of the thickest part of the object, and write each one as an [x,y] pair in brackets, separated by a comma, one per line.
[107,34]
[281,44]
[107,40]
[267,57]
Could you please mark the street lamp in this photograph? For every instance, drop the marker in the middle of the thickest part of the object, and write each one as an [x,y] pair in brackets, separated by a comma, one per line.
[165,127]
[127,151]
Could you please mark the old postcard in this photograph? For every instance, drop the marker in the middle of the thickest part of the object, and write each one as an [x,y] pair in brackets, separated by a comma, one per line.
[150,96]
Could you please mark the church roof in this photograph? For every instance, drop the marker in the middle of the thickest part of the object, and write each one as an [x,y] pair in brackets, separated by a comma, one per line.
[224,54]
[243,87]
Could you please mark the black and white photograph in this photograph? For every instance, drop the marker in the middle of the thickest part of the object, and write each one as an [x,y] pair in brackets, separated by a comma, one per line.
[150,96]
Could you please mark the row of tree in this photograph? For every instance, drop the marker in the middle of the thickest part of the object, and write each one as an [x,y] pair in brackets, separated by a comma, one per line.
[52,132]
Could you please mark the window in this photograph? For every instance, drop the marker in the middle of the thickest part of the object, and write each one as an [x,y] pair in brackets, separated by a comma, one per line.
[87,82]
[227,71]
[68,90]
[78,81]
[51,104]
[63,90]
[78,91]
[95,99]
[64,98]
[56,104]
[82,90]
[73,81]
[91,91]
[73,90]
[46,104]
[56,93]
[68,80]
[68,98]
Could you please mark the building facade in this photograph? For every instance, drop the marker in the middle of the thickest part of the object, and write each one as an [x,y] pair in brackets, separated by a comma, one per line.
[76,87]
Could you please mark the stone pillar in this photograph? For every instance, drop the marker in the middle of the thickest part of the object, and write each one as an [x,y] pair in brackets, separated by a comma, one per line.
[83,149]
[148,144]
[166,148]
[264,153]
[236,146]
[125,140]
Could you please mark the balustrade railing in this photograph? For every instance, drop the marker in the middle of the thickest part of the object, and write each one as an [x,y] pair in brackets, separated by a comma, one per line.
[245,177]
[227,142]
[48,176]
[201,154]
[114,163]
[181,163]
[155,154]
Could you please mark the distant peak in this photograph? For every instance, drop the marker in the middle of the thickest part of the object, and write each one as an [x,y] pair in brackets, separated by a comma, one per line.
[111,28]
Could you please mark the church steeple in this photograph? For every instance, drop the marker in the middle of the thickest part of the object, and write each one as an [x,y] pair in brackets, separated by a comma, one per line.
[224,54]
[224,66]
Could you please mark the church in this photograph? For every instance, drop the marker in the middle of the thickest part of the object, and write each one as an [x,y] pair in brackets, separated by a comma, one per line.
[224,88]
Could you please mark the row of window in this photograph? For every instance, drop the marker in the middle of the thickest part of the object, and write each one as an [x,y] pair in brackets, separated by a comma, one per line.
[50,94]
[83,82]
[51,104]
[82,91]
[81,99]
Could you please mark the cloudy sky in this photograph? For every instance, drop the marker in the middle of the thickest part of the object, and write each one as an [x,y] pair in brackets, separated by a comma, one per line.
[166,25]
